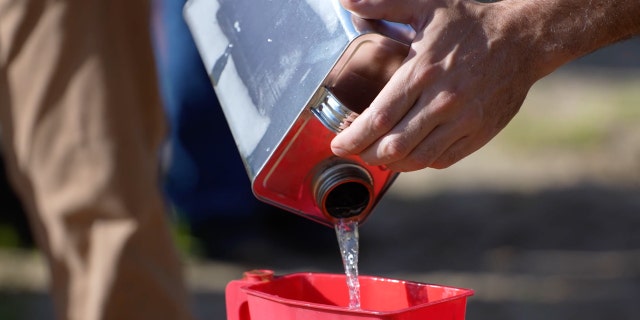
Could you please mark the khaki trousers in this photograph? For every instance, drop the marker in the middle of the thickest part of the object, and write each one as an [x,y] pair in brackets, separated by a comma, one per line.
[81,126]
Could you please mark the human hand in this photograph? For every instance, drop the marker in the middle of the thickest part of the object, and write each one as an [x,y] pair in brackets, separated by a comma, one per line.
[463,80]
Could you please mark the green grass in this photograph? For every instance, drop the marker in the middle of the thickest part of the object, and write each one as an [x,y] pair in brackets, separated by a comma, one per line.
[9,238]
[188,245]
[545,133]
[581,116]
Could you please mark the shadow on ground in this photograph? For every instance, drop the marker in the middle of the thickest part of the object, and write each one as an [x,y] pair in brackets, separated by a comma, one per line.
[570,253]
[456,230]
[556,254]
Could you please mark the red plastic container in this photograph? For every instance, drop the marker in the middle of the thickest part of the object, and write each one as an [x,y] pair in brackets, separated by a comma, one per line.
[323,296]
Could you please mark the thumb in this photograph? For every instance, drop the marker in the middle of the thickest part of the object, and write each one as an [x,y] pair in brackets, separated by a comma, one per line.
[406,11]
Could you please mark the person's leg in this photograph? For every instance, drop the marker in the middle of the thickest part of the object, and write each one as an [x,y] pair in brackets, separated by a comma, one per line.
[81,124]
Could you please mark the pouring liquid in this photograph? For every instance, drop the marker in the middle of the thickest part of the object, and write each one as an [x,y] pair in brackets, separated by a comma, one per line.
[347,234]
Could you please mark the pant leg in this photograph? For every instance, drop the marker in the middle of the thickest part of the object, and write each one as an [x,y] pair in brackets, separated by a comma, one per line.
[81,125]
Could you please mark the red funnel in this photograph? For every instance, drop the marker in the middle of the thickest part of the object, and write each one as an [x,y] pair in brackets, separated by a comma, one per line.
[321,296]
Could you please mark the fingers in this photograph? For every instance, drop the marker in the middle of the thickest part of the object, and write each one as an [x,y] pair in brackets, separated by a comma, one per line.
[384,114]
[391,10]
[456,152]
[423,118]
[443,146]
[387,109]
[430,155]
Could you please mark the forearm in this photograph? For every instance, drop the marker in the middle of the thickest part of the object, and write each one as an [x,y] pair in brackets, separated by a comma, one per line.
[558,31]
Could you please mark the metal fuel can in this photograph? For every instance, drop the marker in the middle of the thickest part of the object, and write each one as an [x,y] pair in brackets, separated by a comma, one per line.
[290,75]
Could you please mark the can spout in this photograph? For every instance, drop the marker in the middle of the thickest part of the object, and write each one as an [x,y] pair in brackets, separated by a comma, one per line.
[258,275]
[347,200]
[344,191]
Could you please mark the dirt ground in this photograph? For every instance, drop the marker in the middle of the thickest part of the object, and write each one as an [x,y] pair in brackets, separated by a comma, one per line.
[539,230]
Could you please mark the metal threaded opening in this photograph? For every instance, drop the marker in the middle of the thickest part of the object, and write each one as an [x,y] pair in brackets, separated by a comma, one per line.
[347,200]
[332,113]
[344,191]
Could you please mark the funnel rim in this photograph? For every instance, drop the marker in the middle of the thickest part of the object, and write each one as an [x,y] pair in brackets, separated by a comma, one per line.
[251,290]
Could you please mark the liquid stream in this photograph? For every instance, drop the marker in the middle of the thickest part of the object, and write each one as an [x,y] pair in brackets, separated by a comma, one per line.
[347,233]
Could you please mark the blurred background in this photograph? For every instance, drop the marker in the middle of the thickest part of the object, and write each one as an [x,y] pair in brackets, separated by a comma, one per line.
[543,223]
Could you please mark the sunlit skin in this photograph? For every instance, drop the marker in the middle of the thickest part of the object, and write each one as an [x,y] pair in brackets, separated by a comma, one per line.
[469,70]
